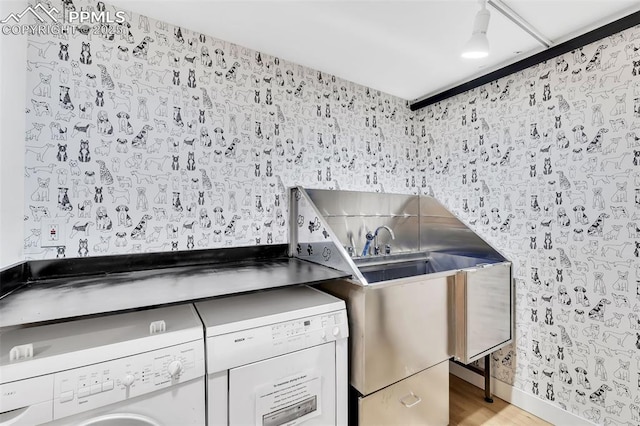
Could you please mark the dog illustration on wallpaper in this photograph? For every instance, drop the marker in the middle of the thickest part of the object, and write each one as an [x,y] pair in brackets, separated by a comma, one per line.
[105,78]
[140,140]
[85,54]
[620,106]
[139,232]
[83,247]
[42,108]
[142,203]
[40,47]
[142,49]
[42,191]
[191,79]
[63,199]
[84,154]
[65,99]
[596,143]
[44,86]
[177,117]
[99,101]
[123,53]
[57,131]
[596,60]
[104,125]
[103,222]
[124,219]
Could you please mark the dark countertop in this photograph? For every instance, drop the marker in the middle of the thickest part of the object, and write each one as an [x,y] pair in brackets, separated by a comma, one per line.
[72,296]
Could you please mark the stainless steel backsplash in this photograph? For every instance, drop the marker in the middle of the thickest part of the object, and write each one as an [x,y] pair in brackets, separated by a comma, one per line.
[419,222]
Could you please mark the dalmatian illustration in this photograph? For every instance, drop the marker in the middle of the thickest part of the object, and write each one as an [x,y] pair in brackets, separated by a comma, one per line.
[598,397]
[595,62]
[597,313]
[141,50]
[231,227]
[597,226]
[139,232]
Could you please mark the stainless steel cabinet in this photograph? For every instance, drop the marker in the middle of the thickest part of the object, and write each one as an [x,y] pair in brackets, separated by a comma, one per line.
[422,399]
[398,328]
[482,311]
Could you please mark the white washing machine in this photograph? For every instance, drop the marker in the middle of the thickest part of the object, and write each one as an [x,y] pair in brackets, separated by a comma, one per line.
[132,369]
[276,357]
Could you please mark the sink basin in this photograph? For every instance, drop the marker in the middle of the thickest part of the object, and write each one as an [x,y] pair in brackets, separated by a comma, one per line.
[378,273]
[390,258]
[391,267]
[402,265]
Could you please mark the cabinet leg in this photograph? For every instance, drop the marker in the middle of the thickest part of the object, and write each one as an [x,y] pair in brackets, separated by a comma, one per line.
[487,379]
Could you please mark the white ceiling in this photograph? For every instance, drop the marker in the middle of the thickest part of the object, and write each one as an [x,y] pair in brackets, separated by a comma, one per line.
[409,49]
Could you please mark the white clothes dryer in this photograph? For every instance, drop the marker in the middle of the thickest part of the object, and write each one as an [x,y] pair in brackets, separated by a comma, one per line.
[276,357]
[132,369]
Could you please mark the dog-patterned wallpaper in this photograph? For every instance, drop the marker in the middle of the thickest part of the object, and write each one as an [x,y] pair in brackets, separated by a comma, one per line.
[145,137]
[153,138]
[545,165]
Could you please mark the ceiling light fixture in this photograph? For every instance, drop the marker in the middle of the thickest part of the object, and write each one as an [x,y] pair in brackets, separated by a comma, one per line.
[478,45]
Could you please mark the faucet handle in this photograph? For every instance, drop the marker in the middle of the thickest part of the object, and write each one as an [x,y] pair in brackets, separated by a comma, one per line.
[387,249]
[350,251]
[376,250]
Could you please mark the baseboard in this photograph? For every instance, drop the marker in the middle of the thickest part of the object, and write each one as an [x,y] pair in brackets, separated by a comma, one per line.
[530,403]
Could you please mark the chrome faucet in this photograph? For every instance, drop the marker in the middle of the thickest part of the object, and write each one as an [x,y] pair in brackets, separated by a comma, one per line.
[376,247]
[374,237]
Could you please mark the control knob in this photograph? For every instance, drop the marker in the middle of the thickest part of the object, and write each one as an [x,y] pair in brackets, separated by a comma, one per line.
[128,380]
[336,331]
[174,369]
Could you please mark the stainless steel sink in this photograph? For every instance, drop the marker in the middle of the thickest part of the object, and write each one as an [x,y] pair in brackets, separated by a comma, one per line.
[412,256]
[441,291]
[392,267]
[394,271]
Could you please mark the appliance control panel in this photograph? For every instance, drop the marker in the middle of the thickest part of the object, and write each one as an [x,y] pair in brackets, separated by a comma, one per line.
[242,347]
[97,385]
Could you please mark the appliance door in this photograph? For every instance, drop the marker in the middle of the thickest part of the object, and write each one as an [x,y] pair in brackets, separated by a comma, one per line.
[120,419]
[482,311]
[182,404]
[296,388]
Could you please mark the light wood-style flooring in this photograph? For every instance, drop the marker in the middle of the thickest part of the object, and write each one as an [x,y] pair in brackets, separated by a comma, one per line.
[467,407]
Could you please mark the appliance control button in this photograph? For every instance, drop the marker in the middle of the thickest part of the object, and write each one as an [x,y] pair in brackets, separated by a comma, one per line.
[128,380]
[66,396]
[175,368]
[108,385]
[96,388]
[336,331]
[84,391]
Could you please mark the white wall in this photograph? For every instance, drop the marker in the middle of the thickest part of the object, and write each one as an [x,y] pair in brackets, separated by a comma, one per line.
[13,49]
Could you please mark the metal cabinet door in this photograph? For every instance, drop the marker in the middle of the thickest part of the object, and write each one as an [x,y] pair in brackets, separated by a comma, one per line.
[482,311]
[421,399]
